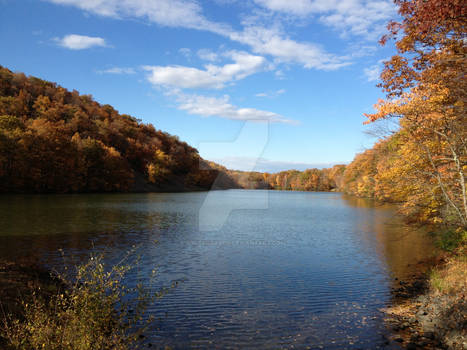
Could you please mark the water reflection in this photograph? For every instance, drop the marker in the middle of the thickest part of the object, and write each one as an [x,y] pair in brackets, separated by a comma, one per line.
[310,270]
[399,245]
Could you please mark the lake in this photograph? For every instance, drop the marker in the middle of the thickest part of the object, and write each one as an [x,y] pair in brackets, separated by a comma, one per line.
[255,269]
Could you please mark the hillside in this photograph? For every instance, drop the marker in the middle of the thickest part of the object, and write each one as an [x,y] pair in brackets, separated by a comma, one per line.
[56,141]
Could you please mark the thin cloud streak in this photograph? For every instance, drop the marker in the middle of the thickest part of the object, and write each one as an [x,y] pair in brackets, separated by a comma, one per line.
[117,70]
[271,94]
[267,165]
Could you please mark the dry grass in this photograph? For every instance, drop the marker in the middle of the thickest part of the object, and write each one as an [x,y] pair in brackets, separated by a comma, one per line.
[451,278]
[440,311]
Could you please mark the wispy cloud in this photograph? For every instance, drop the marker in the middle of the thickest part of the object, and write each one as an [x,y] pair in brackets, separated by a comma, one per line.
[170,13]
[372,73]
[80,42]
[271,94]
[207,106]
[366,18]
[261,39]
[211,77]
[208,55]
[185,51]
[279,74]
[117,70]
[272,41]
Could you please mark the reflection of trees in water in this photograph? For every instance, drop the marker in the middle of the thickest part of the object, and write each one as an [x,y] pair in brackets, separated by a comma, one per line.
[50,215]
[400,246]
[359,202]
[36,227]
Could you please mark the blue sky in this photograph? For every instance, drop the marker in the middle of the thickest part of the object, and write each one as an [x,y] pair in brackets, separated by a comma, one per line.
[254,84]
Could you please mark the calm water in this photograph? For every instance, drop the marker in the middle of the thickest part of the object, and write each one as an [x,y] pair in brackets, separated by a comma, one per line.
[283,270]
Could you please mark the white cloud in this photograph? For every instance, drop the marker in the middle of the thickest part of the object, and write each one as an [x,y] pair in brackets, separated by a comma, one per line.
[188,14]
[372,73]
[271,41]
[117,70]
[358,17]
[207,106]
[212,77]
[80,42]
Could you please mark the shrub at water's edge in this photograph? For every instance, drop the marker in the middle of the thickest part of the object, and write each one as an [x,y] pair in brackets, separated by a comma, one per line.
[95,310]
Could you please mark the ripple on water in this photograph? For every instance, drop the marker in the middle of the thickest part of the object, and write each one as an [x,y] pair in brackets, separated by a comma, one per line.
[310,271]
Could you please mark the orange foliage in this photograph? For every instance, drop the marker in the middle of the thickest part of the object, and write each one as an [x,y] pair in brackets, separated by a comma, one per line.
[426,91]
[54,140]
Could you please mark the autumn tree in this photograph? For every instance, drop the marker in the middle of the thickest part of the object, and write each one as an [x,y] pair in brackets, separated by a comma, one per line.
[426,91]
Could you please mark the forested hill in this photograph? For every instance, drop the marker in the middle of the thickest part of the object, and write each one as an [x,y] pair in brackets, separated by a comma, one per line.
[54,140]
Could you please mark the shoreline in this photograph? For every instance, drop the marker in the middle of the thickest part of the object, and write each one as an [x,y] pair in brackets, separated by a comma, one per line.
[423,317]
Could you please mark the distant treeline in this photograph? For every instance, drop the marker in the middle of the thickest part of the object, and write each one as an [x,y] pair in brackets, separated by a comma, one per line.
[292,180]
[54,140]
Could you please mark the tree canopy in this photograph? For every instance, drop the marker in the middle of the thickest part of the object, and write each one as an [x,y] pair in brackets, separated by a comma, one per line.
[54,140]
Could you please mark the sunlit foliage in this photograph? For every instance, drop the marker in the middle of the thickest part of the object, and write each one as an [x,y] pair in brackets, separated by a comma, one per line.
[54,140]
[426,91]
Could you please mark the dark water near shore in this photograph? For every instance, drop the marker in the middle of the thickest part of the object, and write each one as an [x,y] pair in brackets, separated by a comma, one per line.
[283,270]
